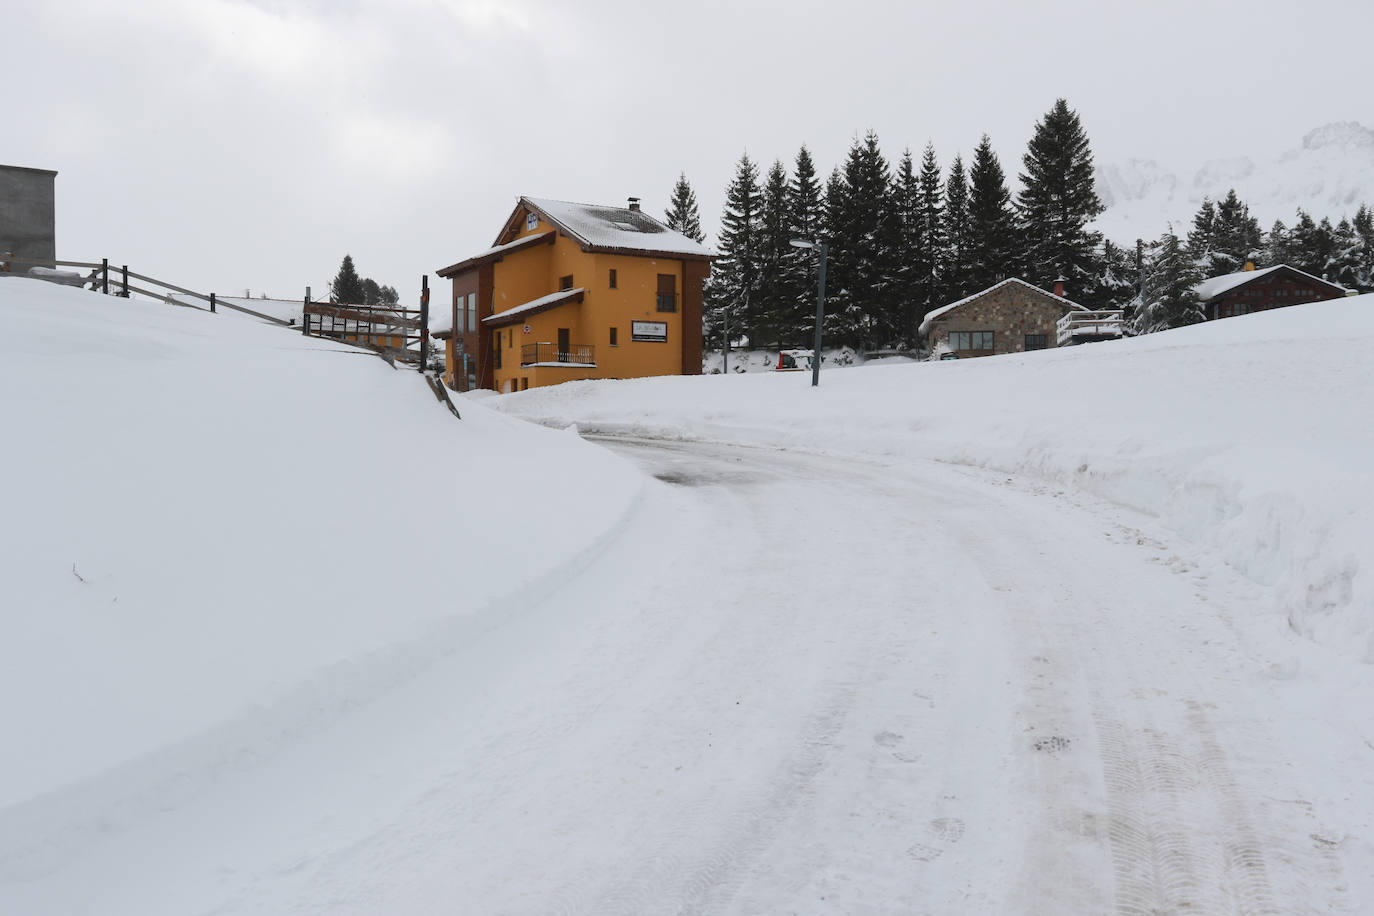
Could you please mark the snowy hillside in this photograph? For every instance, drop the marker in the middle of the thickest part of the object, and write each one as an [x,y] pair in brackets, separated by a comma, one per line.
[1248,436]
[1071,631]
[216,532]
[1330,174]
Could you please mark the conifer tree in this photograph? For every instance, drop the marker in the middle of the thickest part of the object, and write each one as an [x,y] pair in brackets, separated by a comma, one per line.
[908,257]
[1169,299]
[1363,225]
[955,269]
[933,240]
[1202,237]
[773,304]
[735,275]
[805,220]
[347,286]
[863,238]
[1057,202]
[1119,281]
[1278,245]
[992,242]
[1343,268]
[1236,237]
[682,212]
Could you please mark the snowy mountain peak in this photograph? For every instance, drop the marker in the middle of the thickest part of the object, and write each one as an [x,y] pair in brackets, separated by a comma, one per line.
[1350,135]
[1330,174]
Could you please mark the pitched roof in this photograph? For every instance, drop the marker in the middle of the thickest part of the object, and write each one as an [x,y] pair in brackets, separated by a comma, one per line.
[522,311]
[495,253]
[616,229]
[936,313]
[1215,286]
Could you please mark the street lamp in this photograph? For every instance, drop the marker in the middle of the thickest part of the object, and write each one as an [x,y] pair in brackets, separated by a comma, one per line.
[820,306]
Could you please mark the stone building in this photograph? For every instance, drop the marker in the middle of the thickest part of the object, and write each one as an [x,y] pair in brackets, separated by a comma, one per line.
[28,218]
[1010,317]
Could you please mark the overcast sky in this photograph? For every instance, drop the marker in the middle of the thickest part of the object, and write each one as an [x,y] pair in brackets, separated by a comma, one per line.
[250,144]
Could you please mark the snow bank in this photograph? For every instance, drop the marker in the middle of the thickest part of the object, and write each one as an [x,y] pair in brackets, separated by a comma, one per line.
[1251,436]
[218,532]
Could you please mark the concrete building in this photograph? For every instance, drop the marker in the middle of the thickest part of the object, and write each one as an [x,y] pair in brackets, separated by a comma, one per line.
[28,217]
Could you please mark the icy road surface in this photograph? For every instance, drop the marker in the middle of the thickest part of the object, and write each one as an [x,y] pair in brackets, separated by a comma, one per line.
[791,683]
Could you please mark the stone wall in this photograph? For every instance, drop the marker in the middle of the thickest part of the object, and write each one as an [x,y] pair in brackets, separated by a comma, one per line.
[28,216]
[1011,311]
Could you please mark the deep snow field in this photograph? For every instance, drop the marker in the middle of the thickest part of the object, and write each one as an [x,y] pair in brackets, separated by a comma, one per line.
[1251,437]
[263,600]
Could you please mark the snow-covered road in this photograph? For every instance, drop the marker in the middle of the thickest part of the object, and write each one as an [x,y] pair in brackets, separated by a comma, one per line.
[789,682]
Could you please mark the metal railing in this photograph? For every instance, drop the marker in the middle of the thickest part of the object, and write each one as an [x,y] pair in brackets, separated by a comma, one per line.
[1077,326]
[544,354]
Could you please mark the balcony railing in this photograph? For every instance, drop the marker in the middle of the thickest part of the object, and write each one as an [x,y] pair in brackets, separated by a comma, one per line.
[548,354]
[1076,327]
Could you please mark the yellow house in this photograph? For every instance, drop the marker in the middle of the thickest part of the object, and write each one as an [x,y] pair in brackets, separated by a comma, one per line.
[574,291]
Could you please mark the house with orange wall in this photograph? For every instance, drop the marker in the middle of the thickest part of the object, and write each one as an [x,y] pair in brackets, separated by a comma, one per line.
[575,291]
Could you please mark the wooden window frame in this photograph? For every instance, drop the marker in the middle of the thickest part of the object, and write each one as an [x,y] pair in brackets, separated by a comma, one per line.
[613,279]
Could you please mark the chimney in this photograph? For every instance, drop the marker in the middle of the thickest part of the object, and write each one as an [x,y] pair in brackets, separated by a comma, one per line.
[1059,282]
[634,203]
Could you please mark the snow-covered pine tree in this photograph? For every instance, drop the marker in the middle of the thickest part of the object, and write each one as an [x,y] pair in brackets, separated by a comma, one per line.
[347,286]
[682,213]
[734,276]
[1119,281]
[1278,246]
[1236,237]
[954,270]
[1057,202]
[1343,267]
[1363,225]
[933,241]
[1202,237]
[992,243]
[805,220]
[772,302]
[1170,298]
[1311,244]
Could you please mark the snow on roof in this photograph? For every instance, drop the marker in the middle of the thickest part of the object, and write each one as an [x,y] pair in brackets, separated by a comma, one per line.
[1215,286]
[535,305]
[617,227]
[493,253]
[933,315]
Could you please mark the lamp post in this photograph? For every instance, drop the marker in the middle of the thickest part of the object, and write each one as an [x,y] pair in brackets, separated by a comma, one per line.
[820,306]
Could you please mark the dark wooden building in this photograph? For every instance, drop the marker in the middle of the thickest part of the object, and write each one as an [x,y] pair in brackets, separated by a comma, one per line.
[1259,290]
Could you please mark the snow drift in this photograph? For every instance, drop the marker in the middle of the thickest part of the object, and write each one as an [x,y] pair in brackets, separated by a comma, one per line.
[1248,436]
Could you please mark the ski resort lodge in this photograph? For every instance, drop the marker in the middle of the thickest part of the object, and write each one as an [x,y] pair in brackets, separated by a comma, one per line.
[574,291]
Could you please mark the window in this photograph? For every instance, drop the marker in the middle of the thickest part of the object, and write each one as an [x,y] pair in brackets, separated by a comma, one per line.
[667,293]
[613,286]
[970,340]
[613,335]
[1037,341]
[460,316]
[496,348]
[565,282]
[472,311]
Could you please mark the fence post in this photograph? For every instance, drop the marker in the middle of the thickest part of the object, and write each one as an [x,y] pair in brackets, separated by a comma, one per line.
[212,303]
[105,276]
[424,322]
[125,280]
[305,314]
